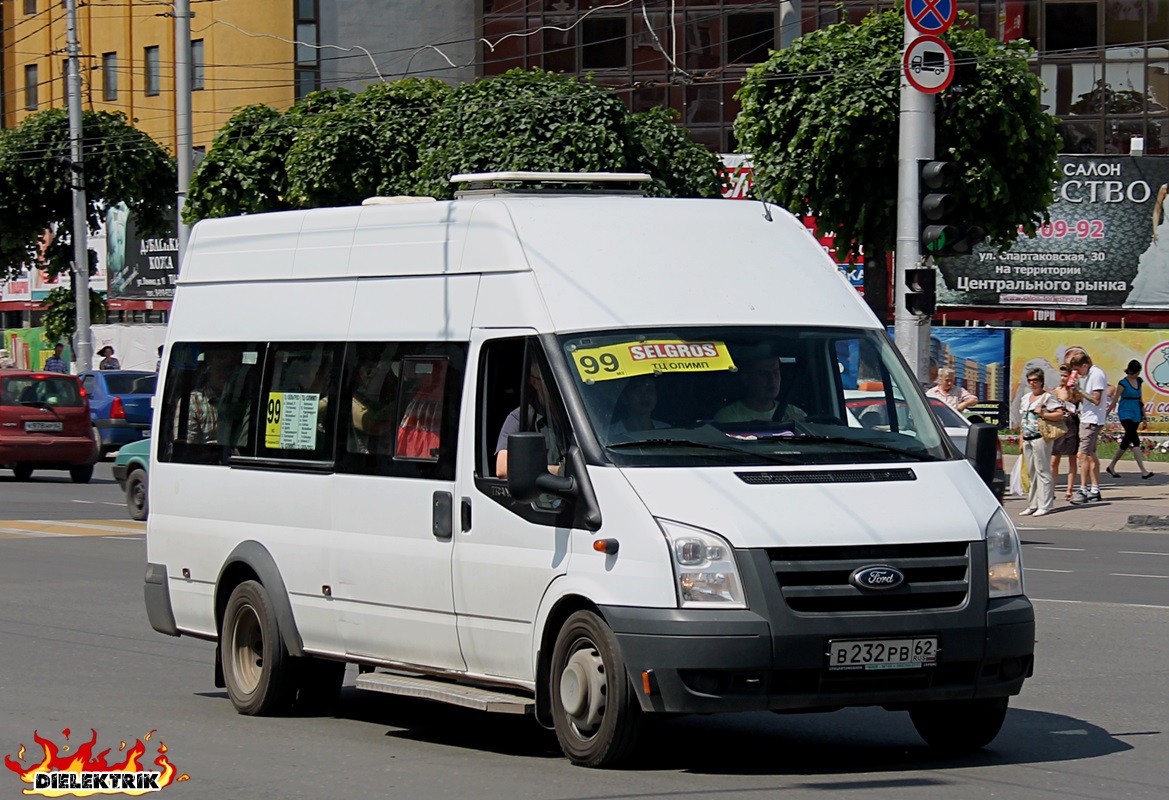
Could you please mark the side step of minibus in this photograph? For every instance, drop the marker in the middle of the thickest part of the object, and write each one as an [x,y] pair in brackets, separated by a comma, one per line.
[494,700]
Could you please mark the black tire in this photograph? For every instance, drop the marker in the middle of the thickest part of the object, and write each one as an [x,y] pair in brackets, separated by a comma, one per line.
[596,716]
[319,684]
[22,472]
[959,726]
[136,503]
[256,666]
[81,474]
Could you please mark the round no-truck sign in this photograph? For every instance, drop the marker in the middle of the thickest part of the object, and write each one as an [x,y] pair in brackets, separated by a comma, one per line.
[928,64]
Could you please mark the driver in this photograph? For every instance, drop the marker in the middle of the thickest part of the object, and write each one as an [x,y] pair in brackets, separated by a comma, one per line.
[761,381]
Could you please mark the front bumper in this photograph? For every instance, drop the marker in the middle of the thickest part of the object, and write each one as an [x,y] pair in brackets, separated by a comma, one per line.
[771,658]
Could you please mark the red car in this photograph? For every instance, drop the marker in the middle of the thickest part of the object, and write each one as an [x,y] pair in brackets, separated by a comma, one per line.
[44,424]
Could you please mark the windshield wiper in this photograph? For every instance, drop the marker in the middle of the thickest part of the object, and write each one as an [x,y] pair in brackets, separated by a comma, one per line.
[700,445]
[811,437]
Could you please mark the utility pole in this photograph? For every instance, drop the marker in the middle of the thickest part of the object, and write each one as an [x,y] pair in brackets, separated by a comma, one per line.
[915,141]
[182,12]
[83,342]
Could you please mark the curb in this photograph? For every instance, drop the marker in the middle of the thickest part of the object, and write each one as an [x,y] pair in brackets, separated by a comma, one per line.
[1147,522]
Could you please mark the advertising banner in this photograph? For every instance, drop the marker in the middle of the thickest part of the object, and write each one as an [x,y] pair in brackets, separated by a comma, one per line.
[1107,244]
[138,269]
[1110,349]
[978,357]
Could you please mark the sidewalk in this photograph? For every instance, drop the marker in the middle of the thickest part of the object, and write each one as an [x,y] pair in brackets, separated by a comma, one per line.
[1127,503]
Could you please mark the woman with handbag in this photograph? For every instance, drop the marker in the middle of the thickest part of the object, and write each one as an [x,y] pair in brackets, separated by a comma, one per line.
[1068,444]
[1040,409]
[1130,405]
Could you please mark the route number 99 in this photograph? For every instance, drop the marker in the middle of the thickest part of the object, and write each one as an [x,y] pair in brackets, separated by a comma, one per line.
[592,366]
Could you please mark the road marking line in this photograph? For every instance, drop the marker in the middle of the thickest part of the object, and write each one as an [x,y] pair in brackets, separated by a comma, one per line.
[1130,575]
[128,538]
[1139,553]
[1098,603]
[1036,569]
[65,527]
[1068,549]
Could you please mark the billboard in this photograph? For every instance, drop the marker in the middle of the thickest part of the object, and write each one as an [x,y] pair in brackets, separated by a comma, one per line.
[1111,350]
[1107,244]
[138,269]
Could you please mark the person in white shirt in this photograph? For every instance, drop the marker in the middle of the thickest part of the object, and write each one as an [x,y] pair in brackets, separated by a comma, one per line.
[1089,385]
[949,392]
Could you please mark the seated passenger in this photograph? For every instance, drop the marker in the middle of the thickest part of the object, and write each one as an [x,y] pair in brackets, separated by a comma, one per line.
[635,408]
[537,421]
[761,380]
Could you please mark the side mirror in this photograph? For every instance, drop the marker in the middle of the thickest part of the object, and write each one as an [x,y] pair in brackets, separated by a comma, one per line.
[527,469]
[982,450]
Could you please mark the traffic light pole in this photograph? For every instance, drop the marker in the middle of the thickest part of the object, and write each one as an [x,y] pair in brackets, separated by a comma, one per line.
[915,141]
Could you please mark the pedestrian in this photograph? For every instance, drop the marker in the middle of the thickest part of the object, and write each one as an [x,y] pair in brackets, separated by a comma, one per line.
[1088,384]
[1130,408]
[158,364]
[949,392]
[55,363]
[1069,443]
[108,361]
[1039,404]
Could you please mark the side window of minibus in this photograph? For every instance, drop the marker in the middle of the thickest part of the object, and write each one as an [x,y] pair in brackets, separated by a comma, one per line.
[301,387]
[210,402]
[399,413]
[501,383]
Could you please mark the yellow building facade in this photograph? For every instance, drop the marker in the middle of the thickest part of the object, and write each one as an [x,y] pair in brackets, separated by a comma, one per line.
[243,52]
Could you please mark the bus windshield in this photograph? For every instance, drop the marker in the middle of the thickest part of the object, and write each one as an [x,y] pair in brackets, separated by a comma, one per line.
[751,395]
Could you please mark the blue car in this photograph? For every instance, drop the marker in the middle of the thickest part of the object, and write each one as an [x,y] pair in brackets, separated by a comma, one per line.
[120,404]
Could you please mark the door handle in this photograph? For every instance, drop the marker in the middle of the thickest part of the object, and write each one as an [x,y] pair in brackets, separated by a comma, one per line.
[442,525]
[465,512]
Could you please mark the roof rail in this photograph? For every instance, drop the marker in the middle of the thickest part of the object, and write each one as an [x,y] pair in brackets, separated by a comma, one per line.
[519,182]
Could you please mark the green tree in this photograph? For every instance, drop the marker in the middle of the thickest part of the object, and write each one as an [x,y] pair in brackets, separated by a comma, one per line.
[543,121]
[244,172]
[821,122]
[367,146]
[120,162]
[409,137]
[60,317]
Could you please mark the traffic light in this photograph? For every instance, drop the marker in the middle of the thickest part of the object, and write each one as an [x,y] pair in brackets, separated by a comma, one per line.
[939,207]
[921,296]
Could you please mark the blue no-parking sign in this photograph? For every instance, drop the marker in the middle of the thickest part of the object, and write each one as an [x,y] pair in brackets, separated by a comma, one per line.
[931,16]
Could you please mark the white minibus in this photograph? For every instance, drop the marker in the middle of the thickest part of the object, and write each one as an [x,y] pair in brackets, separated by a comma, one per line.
[556,448]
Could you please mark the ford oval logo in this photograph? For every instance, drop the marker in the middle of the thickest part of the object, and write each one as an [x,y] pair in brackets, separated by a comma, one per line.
[879,578]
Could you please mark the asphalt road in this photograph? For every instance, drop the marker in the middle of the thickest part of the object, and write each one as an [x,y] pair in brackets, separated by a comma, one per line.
[76,652]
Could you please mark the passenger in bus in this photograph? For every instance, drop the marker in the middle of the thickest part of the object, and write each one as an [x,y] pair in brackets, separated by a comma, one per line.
[206,399]
[635,407]
[762,381]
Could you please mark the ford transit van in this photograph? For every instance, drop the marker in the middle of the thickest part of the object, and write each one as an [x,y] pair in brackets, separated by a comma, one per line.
[577,454]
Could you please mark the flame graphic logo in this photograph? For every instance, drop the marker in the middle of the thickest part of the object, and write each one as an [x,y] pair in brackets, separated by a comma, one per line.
[64,759]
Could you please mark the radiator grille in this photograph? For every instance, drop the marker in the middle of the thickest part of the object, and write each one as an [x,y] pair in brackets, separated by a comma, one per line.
[814,580]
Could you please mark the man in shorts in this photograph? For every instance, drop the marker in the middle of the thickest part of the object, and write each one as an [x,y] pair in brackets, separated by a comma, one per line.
[1091,385]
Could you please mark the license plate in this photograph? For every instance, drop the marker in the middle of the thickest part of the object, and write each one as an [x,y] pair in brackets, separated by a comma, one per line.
[44,426]
[883,653]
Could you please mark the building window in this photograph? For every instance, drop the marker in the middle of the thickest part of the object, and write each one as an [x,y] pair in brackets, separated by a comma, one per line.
[30,6]
[109,76]
[30,87]
[750,37]
[307,81]
[196,65]
[604,43]
[151,61]
[307,54]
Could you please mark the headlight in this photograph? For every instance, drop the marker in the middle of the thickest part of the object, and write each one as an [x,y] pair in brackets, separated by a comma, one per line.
[1004,561]
[704,568]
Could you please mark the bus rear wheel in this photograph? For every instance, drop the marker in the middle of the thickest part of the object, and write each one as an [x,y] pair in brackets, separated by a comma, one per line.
[256,665]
